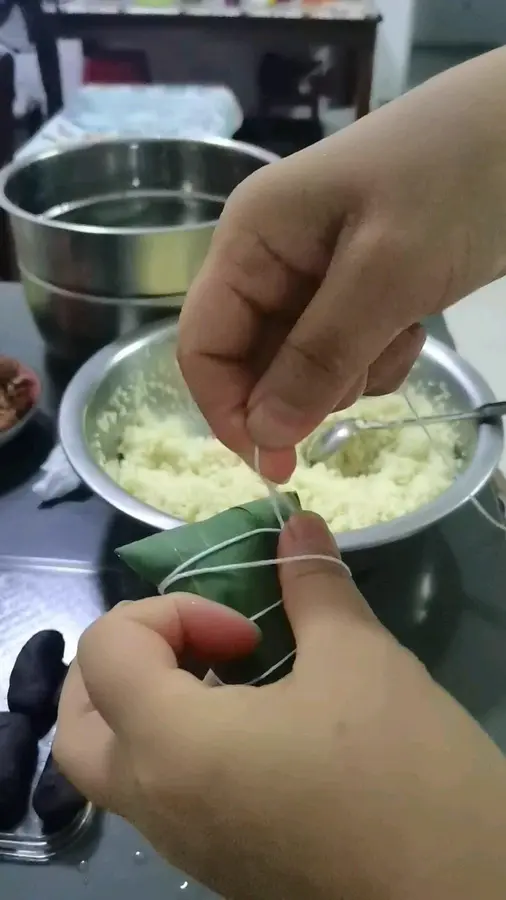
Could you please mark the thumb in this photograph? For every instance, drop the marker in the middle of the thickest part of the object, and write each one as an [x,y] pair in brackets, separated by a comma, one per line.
[320,599]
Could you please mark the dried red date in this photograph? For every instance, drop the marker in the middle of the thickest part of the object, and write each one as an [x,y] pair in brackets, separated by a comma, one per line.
[8,369]
[19,392]
[16,392]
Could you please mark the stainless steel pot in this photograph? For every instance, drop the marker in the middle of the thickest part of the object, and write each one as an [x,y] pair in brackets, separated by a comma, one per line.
[74,326]
[118,224]
[149,358]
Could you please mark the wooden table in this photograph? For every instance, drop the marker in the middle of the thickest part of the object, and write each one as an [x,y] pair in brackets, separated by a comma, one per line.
[347,25]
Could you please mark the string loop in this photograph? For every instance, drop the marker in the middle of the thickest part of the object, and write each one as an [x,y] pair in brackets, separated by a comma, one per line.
[476,503]
[188,568]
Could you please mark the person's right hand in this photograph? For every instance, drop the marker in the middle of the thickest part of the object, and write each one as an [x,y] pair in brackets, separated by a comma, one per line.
[323,264]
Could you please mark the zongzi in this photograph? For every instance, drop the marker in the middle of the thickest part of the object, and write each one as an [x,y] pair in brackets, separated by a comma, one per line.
[254,592]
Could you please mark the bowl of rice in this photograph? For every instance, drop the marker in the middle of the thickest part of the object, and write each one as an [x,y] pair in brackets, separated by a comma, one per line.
[133,434]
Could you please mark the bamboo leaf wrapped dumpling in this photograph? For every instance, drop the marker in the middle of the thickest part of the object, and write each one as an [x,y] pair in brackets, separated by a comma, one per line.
[255,592]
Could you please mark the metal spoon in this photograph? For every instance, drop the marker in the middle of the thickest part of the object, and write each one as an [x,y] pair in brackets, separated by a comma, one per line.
[333,440]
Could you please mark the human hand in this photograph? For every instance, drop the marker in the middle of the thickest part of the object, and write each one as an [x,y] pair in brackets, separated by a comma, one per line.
[356,776]
[323,264]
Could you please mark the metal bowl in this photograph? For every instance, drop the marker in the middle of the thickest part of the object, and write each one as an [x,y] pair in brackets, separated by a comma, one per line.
[108,235]
[149,358]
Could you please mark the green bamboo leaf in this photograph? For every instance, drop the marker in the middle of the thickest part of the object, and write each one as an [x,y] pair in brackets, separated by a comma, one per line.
[248,591]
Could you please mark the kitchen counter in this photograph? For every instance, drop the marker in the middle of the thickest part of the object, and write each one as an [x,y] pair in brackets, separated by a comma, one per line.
[443,596]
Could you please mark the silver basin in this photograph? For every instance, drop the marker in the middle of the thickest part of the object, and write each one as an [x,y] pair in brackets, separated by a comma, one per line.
[110,235]
[150,355]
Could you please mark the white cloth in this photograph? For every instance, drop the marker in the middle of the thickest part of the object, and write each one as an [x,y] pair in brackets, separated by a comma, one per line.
[57,477]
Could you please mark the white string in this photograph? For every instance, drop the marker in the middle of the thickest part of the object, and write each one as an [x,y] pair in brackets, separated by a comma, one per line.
[180,571]
[486,515]
[189,569]
[252,564]
[273,668]
[273,494]
[476,503]
[212,679]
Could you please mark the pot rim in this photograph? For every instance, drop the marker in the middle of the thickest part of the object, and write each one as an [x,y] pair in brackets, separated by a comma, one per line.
[18,165]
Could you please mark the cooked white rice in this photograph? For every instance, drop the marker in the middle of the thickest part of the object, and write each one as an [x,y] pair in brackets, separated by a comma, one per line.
[378,476]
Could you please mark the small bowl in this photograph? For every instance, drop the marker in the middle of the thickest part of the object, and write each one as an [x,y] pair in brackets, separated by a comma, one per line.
[36,392]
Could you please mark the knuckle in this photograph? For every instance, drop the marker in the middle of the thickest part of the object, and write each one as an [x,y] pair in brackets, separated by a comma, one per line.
[383,244]
[247,192]
[388,384]
[84,641]
[392,368]
[96,634]
[88,636]
[319,357]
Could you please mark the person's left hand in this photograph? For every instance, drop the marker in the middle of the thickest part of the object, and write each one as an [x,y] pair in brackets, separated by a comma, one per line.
[356,776]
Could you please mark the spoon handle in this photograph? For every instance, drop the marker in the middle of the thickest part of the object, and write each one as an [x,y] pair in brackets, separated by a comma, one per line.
[485,413]
[491,410]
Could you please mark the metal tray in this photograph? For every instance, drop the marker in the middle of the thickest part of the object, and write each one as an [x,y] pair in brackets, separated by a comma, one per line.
[36,594]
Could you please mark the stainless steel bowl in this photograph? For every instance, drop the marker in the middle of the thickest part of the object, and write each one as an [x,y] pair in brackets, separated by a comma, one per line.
[150,356]
[110,234]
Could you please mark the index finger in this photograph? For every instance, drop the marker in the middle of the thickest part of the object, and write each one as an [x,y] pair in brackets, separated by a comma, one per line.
[264,265]
[84,748]
[128,658]
[230,328]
